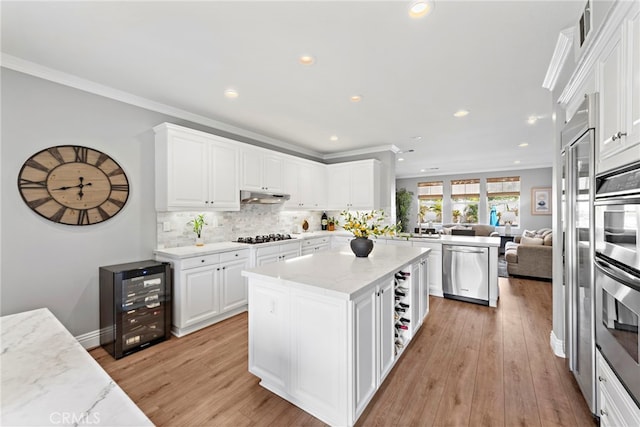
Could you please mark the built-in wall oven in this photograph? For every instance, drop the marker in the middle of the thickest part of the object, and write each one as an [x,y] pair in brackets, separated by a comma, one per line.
[617,273]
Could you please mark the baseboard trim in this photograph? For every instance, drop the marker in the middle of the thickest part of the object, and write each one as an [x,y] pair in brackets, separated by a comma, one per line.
[90,339]
[557,345]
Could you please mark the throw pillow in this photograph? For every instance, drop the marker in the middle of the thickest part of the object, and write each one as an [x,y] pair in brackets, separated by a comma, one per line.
[531,241]
[548,240]
[528,233]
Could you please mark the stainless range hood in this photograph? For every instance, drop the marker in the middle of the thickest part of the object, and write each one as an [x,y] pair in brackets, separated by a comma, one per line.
[266,198]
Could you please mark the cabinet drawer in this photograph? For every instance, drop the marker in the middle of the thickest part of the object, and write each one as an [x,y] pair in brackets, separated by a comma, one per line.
[616,406]
[233,255]
[316,241]
[200,261]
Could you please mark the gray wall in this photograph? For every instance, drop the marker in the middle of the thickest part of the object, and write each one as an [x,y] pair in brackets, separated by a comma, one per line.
[52,265]
[529,178]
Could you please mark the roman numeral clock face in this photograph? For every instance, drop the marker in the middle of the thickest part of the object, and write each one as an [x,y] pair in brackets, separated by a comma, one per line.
[74,185]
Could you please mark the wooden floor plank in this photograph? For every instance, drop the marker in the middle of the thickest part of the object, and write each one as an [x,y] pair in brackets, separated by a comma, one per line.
[468,365]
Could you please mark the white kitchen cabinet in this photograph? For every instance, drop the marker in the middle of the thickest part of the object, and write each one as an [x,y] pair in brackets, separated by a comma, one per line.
[416,296]
[276,253]
[354,185]
[207,289]
[305,182]
[374,341]
[233,287]
[617,408]
[315,244]
[195,170]
[434,268]
[262,170]
[618,84]
[424,288]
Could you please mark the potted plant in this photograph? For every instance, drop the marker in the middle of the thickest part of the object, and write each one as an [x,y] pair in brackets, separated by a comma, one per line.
[331,223]
[362,225]
[198,222]
[403,206]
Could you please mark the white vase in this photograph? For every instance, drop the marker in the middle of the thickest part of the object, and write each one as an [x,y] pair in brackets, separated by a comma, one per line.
[199,241]
[507,229]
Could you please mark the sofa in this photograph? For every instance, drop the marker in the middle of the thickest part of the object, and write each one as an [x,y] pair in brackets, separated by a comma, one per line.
[531,255]
[480,229]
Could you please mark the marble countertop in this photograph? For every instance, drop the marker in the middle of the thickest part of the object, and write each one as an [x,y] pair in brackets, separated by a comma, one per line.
[48,378]
[338,273]
[193,250]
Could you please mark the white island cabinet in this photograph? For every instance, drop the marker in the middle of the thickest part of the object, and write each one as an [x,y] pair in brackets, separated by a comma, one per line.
[322,327]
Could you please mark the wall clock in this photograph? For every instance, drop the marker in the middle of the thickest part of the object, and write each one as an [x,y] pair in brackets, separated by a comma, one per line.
[75,185]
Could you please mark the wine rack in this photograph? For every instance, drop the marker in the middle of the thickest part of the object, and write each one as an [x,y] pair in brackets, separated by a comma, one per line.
[402,310]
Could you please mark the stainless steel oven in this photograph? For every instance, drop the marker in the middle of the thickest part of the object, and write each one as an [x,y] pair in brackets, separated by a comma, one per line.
[617,273]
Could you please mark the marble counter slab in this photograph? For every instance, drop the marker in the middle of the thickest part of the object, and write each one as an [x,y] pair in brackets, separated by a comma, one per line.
[208,249]
[338,273]
[49,379]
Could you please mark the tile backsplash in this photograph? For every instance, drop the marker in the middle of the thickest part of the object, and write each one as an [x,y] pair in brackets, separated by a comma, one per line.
[250,220]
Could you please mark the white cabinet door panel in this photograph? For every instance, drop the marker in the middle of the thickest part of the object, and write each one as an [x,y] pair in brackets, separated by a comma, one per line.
[233,291]
[187,172]
[224,177]
[200,296]
[365,330]
[386,301]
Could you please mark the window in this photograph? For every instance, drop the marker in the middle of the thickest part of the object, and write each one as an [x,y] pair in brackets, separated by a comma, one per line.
[504,195]
[465,196]
[430,199]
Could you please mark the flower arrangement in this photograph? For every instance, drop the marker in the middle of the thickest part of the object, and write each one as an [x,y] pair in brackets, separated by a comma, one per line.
[365,224]
[198,222]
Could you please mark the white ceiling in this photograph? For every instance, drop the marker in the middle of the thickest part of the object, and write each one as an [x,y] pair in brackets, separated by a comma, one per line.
[486,57]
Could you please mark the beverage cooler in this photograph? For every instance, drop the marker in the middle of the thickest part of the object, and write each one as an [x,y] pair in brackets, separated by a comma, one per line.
[135,306]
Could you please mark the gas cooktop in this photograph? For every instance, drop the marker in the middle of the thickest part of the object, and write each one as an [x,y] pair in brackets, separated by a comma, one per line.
[264,238]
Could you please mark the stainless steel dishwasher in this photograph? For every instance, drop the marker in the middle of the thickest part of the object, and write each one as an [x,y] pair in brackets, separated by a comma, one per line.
[465,273]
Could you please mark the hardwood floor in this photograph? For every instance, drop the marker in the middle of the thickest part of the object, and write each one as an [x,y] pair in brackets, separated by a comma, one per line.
[468,365]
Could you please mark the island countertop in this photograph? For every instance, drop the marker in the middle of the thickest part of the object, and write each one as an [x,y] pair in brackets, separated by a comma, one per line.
[338,273]
[49,379]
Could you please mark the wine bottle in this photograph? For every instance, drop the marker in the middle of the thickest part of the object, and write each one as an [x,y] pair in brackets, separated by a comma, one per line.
[324,221]
[405,320]
[403,305]
[400,294]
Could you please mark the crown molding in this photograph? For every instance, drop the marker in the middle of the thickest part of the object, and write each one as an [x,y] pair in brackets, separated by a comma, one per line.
[358,152]
[559,57]
[31,68]
[593,51]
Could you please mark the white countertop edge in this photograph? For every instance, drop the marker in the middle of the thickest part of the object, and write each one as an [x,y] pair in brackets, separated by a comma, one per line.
[277,272]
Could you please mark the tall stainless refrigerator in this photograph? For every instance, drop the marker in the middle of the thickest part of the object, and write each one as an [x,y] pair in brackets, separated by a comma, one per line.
[578,142]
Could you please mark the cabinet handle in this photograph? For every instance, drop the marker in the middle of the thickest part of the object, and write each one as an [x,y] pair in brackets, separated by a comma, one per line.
[236,254]
[201,260]
[602,379]
[218,269]
[618,135]
[224,268]
[603,412]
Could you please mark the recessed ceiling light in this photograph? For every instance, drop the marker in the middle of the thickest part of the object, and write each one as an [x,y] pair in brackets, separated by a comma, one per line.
[400,159]
[421,8]
[306,59]
[231,93]
[434,169]
[416,138]
[356,98]
[517,162]
[423,170]
[532,120]
[523,144]
[333,138]
[460,113]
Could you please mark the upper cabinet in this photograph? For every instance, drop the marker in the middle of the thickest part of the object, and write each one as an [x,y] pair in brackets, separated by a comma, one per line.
[262,170]
[354,185]
[618,83]
[195,170]
[306,183]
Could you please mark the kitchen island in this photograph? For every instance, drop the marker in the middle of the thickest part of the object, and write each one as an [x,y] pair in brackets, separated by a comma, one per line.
[322,332]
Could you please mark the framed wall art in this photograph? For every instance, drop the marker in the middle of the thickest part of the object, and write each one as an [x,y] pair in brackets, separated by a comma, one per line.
[541,201]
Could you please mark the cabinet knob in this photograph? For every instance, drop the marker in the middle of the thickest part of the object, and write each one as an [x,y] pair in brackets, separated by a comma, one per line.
[224,268]
[236,254]
[218,269]
[201,260]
